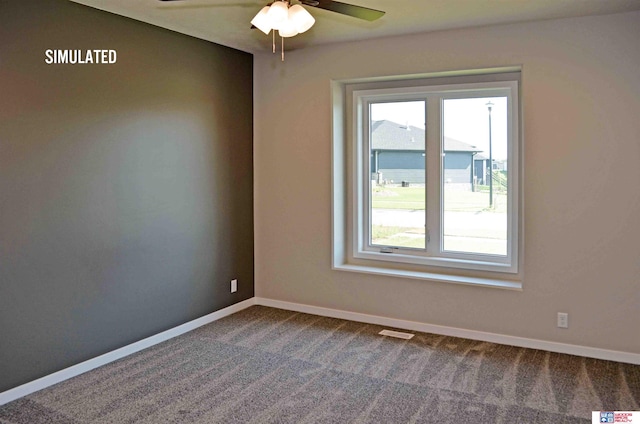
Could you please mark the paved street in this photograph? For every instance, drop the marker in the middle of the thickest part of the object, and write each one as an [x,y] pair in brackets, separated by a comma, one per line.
[482,232]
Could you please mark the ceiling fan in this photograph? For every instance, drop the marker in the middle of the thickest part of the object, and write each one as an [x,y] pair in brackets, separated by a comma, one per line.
[359,12]
[292,19]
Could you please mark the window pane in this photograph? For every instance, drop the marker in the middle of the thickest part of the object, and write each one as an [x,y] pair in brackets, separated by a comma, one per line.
[397,181]
[474,179]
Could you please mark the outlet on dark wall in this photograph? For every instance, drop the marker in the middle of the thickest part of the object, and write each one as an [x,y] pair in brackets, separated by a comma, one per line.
[126,189]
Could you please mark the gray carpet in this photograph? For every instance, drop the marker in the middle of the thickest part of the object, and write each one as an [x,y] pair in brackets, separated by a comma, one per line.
[265,365]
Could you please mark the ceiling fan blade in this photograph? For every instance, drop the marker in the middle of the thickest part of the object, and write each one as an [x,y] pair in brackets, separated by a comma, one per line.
[346,9]
[352,10]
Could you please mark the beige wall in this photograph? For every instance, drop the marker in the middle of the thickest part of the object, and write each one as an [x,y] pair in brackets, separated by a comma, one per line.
[581,100]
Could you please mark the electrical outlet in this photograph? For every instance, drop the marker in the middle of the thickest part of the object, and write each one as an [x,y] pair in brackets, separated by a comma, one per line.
[234,286]
[563,320]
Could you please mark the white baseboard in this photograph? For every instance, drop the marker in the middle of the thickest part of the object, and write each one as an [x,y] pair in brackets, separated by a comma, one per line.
[81,368]
[589,352]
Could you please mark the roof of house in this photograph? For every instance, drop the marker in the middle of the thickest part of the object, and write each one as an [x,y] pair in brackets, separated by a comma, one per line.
[388,135]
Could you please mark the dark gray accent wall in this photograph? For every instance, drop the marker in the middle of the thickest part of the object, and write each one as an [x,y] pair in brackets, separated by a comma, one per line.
[125,190]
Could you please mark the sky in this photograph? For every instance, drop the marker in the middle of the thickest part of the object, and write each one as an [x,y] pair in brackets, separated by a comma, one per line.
[465,120]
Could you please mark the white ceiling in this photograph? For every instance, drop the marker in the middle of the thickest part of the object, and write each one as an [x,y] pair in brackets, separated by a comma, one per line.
[226,22]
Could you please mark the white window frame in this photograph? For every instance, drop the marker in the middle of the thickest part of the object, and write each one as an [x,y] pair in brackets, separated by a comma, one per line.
[352,251]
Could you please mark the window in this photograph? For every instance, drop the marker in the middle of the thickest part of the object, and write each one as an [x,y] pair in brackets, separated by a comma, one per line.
[431,175]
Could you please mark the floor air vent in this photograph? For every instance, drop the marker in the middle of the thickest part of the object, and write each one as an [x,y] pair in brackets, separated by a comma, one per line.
[396,334]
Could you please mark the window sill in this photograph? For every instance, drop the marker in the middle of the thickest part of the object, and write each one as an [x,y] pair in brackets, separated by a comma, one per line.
[430,276]
[429,261]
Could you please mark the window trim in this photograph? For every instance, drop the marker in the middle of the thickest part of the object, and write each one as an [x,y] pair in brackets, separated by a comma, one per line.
[346,218]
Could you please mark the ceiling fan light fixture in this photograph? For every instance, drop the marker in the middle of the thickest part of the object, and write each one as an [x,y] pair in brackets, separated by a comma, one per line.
[262,21]
[288,20]
[288,29]
[301,18]
[278,14]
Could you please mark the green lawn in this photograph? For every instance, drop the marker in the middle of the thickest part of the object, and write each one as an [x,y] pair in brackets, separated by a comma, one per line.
[459,236]
[398,236]
[413,198]
[399,198]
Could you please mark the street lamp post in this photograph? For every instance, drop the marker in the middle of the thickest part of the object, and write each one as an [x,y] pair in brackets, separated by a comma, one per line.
[489,106]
